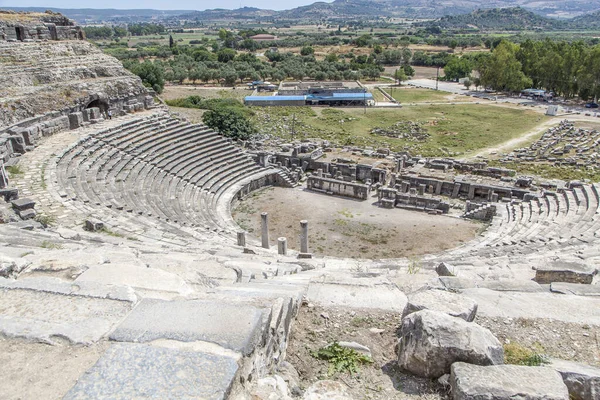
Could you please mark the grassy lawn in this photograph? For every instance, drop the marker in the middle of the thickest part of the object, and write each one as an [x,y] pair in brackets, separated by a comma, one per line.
[453,129]
[417,95]
[549,171]
[378,96]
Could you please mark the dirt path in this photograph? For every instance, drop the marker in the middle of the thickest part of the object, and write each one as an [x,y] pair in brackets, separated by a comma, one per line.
[528,137]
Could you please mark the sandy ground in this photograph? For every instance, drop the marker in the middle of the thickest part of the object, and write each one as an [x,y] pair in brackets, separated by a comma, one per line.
[344,227]
[40,371]
[554,339]
[316,327]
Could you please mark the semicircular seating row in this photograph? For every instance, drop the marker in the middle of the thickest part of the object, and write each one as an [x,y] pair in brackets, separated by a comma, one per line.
[158,167]
[555,222]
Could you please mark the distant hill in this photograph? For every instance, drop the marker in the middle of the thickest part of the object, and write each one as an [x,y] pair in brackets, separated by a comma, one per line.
[586,21]
[423,9]
[511,19]
[359,9]
[94,15]
[243,13]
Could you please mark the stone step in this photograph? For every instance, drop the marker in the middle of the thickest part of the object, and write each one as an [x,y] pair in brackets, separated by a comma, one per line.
[163,371]
[49,309]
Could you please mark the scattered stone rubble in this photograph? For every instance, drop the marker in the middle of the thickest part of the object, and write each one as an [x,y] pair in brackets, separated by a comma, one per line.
[564,145]
[413,131]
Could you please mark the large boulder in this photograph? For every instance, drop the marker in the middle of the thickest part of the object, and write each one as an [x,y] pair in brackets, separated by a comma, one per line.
[569,272]
[450,303]
[506,382]
[431,341]
[583,381]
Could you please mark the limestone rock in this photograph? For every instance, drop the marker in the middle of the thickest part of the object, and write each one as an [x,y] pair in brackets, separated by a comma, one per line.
[11,268]
[270,388]
[431,341]
[23,204]
[577,289]
[505,285]
[440,300]
[445,269]
[93,225]
[136,371]
[583,381]
[326,390]
[290,375]
[506,382]
[570,272]
[375,293]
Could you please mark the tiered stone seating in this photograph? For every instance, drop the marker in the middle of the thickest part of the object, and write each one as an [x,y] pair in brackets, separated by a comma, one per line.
[158,168]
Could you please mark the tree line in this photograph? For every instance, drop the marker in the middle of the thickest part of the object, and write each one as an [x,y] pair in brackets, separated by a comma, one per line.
[110,32]
[227,66]
[567,69]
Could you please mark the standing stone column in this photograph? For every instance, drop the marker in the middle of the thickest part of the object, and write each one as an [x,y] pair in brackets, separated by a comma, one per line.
[304,236]
[265,229]
[241,238]
[282,246]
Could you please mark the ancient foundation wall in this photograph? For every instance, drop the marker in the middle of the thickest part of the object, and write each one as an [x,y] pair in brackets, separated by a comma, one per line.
[336,187]
[267,180]
[460,188]
[20,137]
[26,27]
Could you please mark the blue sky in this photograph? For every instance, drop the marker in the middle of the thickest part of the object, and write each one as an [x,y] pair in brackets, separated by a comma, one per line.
[158,4]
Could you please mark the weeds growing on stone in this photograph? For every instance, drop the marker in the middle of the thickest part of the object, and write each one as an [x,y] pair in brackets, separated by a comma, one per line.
[51,246]
[414,266]
[514,353]
[14,170]
[45,220]
[341,359]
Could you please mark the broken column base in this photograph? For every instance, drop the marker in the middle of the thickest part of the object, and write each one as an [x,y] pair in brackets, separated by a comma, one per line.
[388,203]
[305,255]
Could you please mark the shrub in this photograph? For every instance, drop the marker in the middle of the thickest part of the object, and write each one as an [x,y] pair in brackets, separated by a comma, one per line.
[341,359]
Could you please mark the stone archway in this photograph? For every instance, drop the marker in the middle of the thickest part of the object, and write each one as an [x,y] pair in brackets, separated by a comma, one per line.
[98,103]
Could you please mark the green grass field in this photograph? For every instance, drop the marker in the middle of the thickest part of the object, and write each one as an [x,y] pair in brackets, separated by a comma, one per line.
[550,171]
[454,129]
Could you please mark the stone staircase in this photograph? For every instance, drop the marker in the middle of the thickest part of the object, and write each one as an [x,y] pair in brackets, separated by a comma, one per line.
[202,322]
[159,169]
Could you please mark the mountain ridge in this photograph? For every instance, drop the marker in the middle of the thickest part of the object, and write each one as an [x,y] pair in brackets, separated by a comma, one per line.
[338,9]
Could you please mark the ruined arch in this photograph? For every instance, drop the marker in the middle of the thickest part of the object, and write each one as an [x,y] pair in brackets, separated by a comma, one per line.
[98,103]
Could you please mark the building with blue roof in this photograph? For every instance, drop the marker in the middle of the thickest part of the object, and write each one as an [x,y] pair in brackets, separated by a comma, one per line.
[326,99]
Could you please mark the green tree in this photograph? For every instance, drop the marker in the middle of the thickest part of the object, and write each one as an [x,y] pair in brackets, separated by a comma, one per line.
[307,51]
[226,55]
[400,75]
[502,71]
[150,73]
[230,122]
[458,67]
[331,57]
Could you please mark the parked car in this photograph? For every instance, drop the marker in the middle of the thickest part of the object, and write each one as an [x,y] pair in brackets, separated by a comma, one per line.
[591,105]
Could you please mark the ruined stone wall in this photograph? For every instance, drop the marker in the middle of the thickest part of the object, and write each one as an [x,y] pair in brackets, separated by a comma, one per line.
[469,190]
[333,186]
[24,27]
[50,85]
